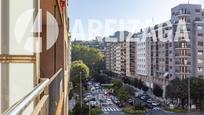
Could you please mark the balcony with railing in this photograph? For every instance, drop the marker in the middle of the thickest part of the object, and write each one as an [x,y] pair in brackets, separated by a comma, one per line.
[48,97]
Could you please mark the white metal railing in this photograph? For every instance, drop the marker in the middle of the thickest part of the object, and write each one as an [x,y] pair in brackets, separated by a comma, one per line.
[24,102]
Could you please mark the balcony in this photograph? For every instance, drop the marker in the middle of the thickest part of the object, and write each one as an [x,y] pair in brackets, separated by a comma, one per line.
[48,96]
[182,47]
[182,55]
[178,63]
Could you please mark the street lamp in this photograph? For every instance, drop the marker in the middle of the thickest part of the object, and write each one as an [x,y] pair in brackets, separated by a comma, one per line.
[189,95]
[80,92]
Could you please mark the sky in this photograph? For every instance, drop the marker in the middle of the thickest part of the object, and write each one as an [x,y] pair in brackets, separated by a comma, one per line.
[91,18]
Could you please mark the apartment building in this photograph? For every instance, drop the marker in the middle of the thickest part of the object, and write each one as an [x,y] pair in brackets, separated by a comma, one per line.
[181,55]
[131,59]
[174,48]
[188,54]
[143,55]
[29,62]
[118,52]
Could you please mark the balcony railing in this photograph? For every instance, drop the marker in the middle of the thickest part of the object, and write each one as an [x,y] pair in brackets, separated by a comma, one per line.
[47,94]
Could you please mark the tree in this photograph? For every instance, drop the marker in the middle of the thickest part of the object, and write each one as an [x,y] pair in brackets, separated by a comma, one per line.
[197,90]
[101,78]
[116,84]
[76,68]
[122,94]
[77,109]
[145,88]
[92,57]
[157,91]
[178,89]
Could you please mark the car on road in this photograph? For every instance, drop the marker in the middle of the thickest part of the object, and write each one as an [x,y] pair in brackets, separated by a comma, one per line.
[149,106]
[131,101]
[109,101]
[149,101]
[155,103]
[156,108]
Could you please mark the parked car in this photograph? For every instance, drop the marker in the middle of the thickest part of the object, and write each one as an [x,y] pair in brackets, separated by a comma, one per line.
[149,101]
[109,102]
[155,103]
[156,108]
[131,101]
[149,106]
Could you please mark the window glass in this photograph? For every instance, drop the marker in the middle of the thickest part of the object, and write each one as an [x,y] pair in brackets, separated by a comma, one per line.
[200,61]
[200,52]
[199,27]
[21,41]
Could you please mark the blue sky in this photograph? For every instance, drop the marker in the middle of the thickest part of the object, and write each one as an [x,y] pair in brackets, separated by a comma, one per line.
[146,12]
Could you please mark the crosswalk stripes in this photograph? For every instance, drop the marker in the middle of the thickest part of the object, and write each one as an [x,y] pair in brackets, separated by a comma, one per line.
[109,109]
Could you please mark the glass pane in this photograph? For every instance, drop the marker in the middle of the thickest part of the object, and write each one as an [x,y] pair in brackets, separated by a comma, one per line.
[21,41]
[17,80]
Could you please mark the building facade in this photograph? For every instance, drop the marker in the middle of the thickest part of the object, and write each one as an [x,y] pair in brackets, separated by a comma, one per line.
[170,49]
[27,59]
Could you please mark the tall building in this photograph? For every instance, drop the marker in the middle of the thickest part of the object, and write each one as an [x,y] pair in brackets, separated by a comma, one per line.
[188,55]
[143,55]
[29,58]
[131,56]
[168,50]
[181,55]
[121,54]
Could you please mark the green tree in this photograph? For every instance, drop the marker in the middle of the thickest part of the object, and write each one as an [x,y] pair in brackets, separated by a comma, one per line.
[92,57]
[178,89]
[76,68]
[197,90]
[124,93]
[101,78]
[116,84]
[77,109]
[157,91]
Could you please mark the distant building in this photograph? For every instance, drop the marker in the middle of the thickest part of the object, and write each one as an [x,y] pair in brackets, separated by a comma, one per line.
[97,43]
[121,54]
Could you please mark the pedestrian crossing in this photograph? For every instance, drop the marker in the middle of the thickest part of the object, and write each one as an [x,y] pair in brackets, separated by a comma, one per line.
[110,109]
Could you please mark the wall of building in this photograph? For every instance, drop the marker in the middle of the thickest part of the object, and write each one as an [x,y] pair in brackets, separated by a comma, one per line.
[16,79]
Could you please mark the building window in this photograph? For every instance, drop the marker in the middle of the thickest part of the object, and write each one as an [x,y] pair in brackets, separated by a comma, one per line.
[199,27]
[200,52]
[200,43]
[200,69]
[200,61]
[200,34]
[197,19]
[200,76]
[197,10]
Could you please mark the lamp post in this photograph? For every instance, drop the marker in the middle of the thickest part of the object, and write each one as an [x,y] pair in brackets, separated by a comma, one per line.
[189,95]
[80,92]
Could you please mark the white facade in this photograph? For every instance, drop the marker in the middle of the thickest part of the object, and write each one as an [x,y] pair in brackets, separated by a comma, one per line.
[118,58]
[143,56]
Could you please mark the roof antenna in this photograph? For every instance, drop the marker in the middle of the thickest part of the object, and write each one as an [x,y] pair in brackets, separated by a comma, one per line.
[188,1]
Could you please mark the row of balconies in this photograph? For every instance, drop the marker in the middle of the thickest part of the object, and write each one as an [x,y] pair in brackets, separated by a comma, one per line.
[182,63]
[179,54]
